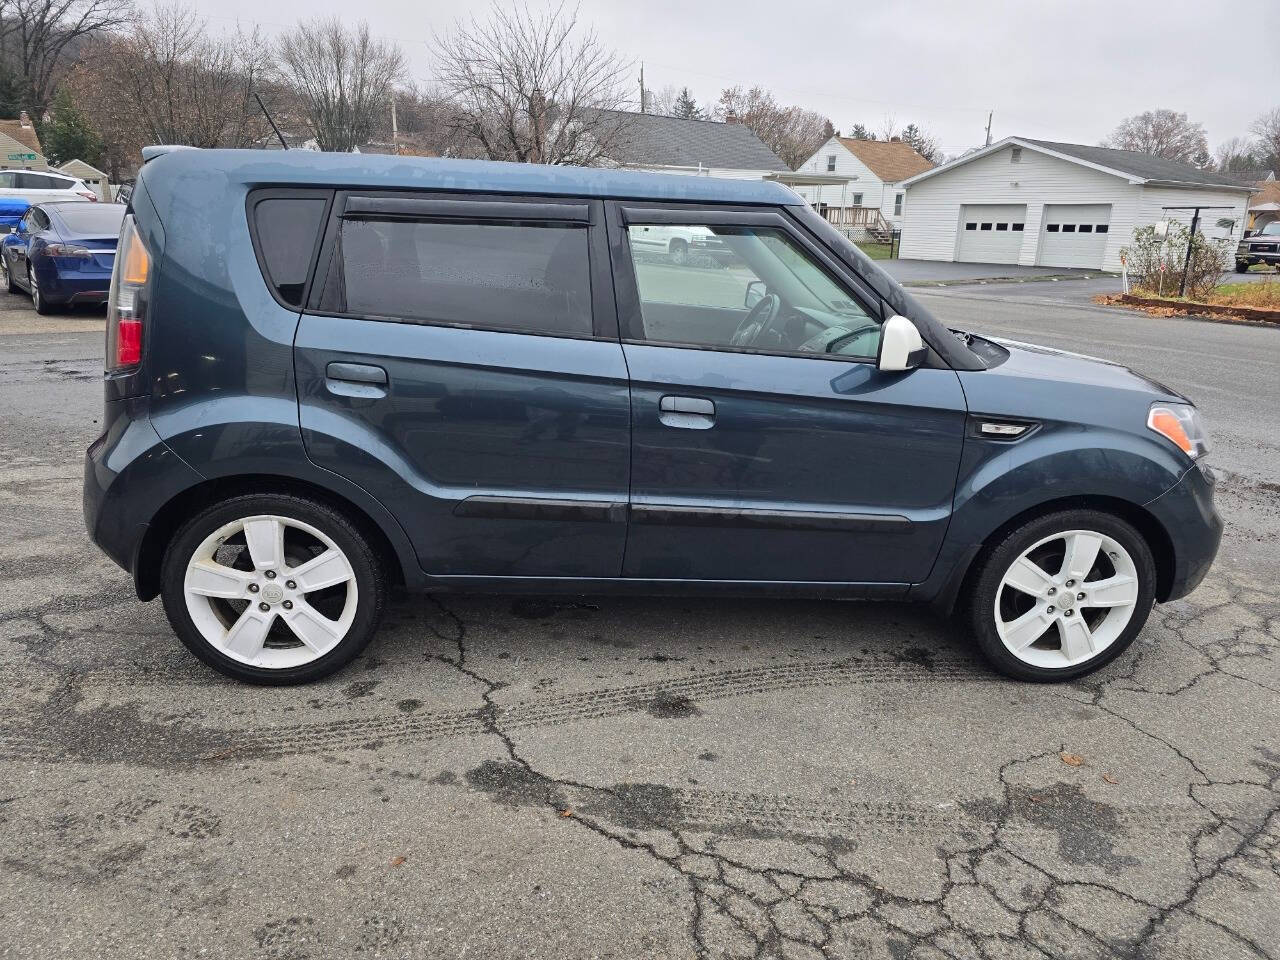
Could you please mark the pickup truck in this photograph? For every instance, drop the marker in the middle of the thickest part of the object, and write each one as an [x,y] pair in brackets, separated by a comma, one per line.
[1260,247]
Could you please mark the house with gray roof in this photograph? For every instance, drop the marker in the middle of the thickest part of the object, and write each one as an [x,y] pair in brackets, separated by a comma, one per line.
[1051,204]
[647,141]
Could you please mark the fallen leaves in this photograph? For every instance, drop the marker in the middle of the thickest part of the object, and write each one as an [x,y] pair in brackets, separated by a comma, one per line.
[566,813]
[1110,779]
[1072,759]
[398,861]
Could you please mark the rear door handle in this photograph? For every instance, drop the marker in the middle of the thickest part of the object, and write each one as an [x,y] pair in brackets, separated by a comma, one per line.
[363,380]
[687,413]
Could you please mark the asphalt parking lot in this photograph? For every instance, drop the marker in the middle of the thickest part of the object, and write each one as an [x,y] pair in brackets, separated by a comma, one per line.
[582,778]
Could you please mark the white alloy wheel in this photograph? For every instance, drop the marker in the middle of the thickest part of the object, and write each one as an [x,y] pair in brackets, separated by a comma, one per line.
[271,592]
[1066,599]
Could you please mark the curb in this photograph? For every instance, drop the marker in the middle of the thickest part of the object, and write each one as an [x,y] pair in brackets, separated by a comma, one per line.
[981,281]
[1254,314]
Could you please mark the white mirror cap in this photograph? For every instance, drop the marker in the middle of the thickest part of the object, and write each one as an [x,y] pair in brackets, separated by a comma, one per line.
[900,345]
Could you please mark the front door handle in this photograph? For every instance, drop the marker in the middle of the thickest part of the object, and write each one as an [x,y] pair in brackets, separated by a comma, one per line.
[687,413]
[363,380]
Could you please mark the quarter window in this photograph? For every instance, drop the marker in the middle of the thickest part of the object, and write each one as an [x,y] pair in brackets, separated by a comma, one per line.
[745,288]
[287,228]
[526,277]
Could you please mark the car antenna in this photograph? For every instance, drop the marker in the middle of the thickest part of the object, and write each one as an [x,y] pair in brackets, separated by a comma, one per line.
[266,113]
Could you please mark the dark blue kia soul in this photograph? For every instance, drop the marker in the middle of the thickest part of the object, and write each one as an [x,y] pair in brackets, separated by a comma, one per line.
[327,374]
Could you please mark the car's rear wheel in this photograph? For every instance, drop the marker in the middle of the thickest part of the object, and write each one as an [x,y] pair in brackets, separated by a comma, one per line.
[1062,595]
[38,299]
[272,589]
[678,252]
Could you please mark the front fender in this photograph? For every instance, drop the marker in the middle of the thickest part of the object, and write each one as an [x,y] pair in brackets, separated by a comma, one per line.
[1059,462]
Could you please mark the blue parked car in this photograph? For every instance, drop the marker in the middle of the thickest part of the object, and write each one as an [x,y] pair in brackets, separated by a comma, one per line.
[62,253]
[329,373]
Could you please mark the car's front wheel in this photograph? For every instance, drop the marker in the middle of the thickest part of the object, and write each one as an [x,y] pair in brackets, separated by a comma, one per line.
[6,277]
[1242,266]
[1062,595]
[272,588]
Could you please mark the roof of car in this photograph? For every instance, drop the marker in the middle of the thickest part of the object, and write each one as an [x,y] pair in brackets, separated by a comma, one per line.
[303,167]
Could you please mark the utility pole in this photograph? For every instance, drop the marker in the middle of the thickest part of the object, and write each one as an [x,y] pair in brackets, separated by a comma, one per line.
[643,109]
[990,113]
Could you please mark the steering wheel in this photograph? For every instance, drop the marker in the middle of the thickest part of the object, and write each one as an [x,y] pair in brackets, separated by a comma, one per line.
[758,320]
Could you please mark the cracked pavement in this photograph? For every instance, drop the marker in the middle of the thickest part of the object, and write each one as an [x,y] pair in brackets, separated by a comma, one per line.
[603,777]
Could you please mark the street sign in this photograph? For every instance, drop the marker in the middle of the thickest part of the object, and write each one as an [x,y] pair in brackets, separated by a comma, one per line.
[22,156]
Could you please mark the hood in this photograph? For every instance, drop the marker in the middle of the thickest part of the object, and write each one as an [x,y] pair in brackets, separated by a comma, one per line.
[1048,363]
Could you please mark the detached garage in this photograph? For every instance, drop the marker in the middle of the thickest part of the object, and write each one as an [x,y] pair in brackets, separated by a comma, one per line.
[1039,203]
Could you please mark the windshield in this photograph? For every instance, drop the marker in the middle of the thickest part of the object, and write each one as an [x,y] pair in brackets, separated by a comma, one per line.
[1270,230]
[96,218]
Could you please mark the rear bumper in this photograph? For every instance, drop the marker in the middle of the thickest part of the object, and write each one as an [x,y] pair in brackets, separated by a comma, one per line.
[129,473]
[1190,518]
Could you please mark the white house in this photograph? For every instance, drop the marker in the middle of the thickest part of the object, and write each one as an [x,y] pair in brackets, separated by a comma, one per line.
[873,197]
[1036,202]
[696,148]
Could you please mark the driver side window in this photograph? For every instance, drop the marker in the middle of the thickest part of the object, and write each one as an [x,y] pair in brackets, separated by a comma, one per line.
[744,288]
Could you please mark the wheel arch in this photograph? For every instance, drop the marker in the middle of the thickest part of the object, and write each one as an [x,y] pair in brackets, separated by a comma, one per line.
[174,513]
[1150,528]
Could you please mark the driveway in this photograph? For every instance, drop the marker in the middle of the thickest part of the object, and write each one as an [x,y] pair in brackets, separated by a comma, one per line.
[914,272]
[586,778]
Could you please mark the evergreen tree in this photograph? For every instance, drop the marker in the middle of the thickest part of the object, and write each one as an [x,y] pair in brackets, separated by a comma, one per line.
[686,108]
[859,132]
[68,135]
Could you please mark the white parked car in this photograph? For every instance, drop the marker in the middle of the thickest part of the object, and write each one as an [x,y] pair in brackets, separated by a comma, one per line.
[677,242]
[39,186]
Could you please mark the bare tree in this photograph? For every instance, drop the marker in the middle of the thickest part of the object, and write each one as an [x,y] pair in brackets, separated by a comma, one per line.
[661,102]
[168,80]
[343,79]
[38,40]
[1162,133]
[793,133]
[1239,157]
[534,88]
[1267,129]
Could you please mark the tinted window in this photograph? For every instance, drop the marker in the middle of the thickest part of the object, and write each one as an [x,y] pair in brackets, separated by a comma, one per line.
[100,219]
[41,181]
[286,234]
[521,277]
[39,219]
[7,178]
[721,293]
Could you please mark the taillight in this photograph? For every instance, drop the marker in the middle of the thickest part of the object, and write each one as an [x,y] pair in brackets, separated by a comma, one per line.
[71,250]
[127,301]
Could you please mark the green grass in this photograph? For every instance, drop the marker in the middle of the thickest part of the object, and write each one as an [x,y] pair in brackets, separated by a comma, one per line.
[876,251]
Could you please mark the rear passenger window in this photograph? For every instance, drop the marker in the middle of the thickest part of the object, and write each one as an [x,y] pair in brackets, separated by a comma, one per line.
[523,277]
[287,228]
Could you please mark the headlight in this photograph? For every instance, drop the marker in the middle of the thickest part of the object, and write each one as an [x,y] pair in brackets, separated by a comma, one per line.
[1180,423]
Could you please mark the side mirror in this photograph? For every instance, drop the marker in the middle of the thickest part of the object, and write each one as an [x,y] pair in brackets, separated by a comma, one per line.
[900,346]
[755,293]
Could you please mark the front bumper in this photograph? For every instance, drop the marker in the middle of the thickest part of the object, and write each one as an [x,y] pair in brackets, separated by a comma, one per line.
[1188,514]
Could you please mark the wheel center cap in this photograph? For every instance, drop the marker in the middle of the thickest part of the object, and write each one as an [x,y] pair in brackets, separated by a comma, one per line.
[273,593]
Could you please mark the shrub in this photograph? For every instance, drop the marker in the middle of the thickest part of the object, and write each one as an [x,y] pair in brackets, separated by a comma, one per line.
[1155,263]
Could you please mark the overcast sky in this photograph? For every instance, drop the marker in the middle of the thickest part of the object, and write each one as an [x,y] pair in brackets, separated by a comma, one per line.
[1051,69]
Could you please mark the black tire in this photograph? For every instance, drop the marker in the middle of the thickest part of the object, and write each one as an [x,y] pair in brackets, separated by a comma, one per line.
[1242,266]
[678,252]
[38,299]
[995,561]
[370,579]
[10,286]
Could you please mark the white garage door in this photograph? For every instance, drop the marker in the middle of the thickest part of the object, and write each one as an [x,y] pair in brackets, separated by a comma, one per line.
[1074,235]
[991,233]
